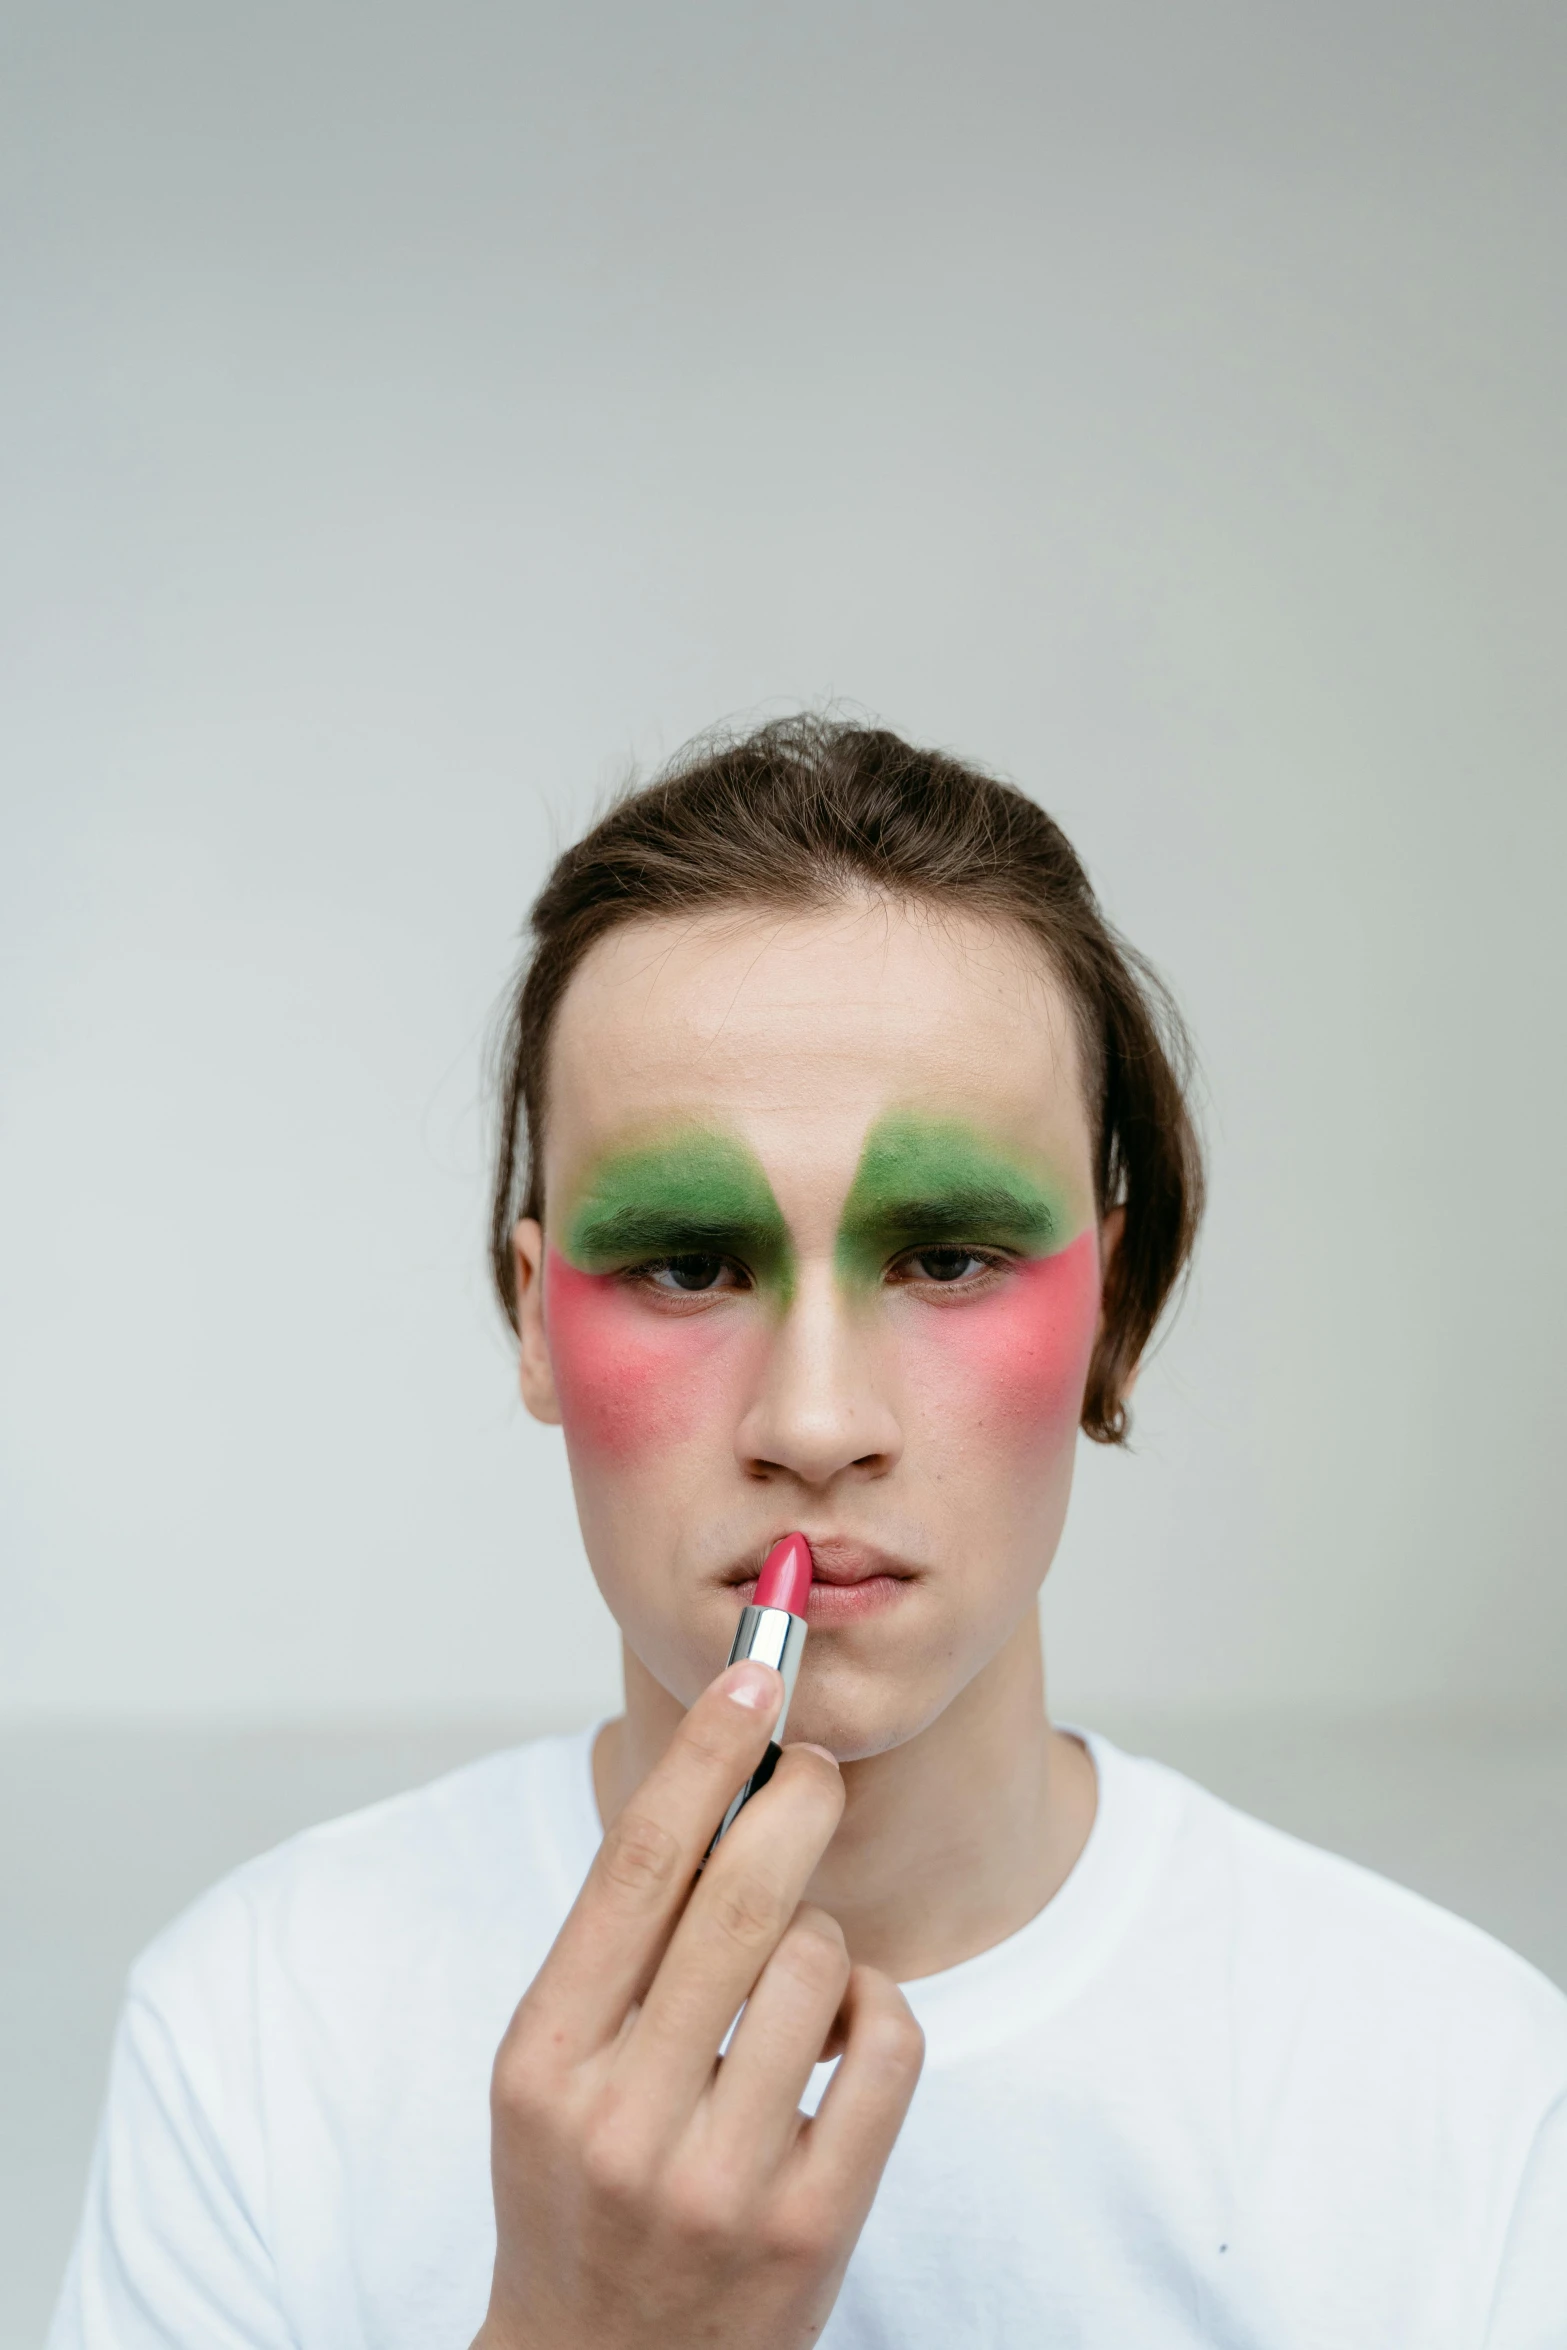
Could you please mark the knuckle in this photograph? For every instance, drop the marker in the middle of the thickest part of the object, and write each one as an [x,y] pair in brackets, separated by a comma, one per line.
[713,1735]
[814,1779]
[813,1951]
[513,2089]
[640,1855]
[747,1911]
[613,2164]
[799,2230]
[521,2091]
[526,2034]
[808,1918]
[896,2042]
[706,2208]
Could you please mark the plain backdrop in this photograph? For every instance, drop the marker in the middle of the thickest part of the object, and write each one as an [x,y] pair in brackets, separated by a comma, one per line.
[414,416]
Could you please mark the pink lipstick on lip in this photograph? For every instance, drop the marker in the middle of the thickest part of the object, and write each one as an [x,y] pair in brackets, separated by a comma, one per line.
[772,1629]
[785,1579]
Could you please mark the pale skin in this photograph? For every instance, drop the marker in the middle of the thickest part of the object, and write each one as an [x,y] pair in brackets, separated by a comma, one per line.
[648,2192]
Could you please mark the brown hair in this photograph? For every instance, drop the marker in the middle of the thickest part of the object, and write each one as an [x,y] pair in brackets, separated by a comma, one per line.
[803,811]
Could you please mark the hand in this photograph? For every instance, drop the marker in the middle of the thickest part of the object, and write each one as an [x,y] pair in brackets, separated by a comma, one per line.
[648,2194]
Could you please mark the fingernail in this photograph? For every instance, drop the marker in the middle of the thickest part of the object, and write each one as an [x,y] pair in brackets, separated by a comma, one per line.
[805,1747]
[754,1686]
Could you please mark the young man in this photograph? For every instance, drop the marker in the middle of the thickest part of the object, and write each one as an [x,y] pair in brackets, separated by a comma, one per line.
[845,1171]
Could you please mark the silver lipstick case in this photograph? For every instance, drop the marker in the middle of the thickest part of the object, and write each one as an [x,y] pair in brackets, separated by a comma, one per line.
[776,1638]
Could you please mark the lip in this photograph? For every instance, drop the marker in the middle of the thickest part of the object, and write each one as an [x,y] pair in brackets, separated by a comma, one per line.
[851,1579]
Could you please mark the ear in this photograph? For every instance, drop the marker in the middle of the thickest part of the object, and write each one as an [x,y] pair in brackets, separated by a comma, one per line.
[1110,1232]
[534,1375]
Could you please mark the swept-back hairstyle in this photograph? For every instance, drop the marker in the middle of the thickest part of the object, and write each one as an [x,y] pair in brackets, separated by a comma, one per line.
[807,810]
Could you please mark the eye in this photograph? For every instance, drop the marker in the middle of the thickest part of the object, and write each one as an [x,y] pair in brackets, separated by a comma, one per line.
[947,1267]
[690,1275]
[945,1264]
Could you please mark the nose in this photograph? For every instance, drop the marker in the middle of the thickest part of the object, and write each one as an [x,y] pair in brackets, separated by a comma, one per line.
[822,1409]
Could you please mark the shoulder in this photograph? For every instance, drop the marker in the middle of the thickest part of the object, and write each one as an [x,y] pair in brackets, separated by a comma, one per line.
[481,1854]
[1344,1918]
[1380,2076]
[1347,1958]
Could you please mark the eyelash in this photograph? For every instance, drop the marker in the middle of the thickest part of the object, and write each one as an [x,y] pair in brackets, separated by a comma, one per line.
[899,1271]
[990,1260]
[642,1276]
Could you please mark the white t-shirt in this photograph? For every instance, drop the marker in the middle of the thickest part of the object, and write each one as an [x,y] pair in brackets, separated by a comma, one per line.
[1223,2090]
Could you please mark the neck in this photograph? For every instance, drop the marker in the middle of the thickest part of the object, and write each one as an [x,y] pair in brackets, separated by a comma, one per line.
[950,1841]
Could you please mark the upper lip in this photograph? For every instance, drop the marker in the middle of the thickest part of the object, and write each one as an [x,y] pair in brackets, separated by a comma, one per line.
[833,1559]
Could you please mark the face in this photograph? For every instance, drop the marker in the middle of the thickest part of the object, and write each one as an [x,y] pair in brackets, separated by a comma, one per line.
[819,1252]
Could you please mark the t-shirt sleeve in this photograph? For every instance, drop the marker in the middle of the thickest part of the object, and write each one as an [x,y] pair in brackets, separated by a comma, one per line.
[170,2251]
[1530,2308]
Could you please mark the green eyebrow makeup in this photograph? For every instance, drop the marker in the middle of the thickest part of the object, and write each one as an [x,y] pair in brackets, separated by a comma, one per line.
[929,1181]
[693,1194]
[939,1181]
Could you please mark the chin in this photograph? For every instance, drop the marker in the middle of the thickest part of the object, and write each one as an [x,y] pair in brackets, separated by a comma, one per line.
[855,1724]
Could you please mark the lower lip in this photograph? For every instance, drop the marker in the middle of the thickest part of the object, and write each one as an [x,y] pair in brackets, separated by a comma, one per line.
[843,1603]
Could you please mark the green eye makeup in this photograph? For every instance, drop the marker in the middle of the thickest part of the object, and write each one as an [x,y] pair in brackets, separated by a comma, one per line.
[940,1183]
[920,1182]
[695,1194]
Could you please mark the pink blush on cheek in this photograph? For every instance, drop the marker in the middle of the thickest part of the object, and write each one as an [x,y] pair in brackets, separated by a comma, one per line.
[1022,1353]
[626,1377]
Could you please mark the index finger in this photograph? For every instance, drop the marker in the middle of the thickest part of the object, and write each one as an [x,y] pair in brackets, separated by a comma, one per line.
[606,1952]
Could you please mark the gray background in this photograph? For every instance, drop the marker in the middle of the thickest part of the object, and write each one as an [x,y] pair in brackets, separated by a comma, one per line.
[413,416]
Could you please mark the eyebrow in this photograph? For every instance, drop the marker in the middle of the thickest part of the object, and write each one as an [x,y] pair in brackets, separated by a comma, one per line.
[623,1232]
[940,1181]
[692,1193]
[958,1211]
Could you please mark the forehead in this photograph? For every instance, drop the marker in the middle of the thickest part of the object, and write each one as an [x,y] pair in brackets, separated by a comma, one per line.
[799,1029]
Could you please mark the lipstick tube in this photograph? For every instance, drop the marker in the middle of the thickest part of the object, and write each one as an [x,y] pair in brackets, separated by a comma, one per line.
[772,1630]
